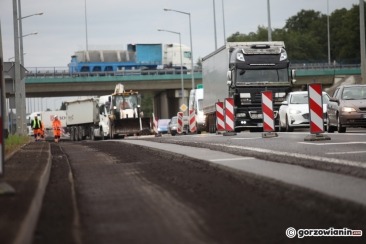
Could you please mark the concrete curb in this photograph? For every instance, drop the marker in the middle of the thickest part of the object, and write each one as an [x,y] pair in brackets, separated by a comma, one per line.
[26,232]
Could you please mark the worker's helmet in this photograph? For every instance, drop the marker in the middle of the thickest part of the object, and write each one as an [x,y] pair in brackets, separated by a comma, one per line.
[56,117]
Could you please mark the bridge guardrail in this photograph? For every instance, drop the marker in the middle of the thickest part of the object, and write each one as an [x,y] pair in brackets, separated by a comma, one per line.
[64,72]
[39,72]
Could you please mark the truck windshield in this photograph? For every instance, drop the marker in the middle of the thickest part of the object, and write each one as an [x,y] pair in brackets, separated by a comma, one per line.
[265,75]
[126,102]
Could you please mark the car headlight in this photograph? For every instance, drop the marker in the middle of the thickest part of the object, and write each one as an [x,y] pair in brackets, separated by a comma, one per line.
[294,111]
[283,54]
[348,109]
[240,57]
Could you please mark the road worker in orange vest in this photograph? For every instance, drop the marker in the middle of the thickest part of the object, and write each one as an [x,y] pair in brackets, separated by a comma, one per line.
[56,124]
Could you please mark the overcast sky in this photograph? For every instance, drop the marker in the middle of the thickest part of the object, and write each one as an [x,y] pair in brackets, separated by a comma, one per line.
[112,24]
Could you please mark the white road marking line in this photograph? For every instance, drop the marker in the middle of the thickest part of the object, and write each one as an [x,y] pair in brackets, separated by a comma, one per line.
[347,152]
[297,155]
[230,159]
[246,138]
[332,143]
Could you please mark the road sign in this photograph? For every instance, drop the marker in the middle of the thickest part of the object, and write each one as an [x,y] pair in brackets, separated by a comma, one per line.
[183,107]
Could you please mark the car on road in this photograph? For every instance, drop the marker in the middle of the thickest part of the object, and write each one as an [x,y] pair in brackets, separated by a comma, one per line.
[347,108]
[173,125]
[294,111]
[163,125]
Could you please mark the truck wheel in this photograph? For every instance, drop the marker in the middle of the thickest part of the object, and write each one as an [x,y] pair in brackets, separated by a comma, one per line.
[72,134]
[111,132]
[76,133]
[101,134]
[92,136]
[80,134]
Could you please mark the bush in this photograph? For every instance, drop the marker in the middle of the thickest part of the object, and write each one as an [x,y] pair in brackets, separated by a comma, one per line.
[14,142]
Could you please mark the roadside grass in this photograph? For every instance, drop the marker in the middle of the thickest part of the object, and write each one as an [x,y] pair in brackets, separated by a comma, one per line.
[14,142]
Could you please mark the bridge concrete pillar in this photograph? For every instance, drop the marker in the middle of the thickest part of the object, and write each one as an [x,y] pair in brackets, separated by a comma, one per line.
[161,105]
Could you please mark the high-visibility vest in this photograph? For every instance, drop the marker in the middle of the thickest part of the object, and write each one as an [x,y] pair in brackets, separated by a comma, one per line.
[36,124]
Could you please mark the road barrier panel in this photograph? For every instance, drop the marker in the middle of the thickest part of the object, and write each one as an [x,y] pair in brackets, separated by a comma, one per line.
[192,121]
[268,115]
[180,123]
[229,117]
[220,118]
[316,119]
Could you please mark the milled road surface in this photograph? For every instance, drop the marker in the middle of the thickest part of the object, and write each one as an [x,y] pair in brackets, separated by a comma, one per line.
[130,194]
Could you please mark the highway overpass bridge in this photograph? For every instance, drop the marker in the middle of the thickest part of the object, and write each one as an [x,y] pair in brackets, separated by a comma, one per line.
[164,87]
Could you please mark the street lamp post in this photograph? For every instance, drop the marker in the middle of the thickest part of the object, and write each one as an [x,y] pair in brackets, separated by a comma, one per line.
[19,83]
[362,42]
[214,15]
[20,19]
[20,95]
[269,22]
[328,32]
[223,19]
[190,37]
[181,62]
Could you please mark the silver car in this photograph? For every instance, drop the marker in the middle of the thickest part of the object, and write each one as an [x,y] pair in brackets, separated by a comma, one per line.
[347,108]
[294,111]
[173,125]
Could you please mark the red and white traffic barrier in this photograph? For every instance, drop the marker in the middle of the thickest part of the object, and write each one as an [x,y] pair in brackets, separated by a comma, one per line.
[268,115]
[192,121]
[180,122]
[316,108]
[220,124]
[229,117]
[267,109]
[316,119]
[1,139]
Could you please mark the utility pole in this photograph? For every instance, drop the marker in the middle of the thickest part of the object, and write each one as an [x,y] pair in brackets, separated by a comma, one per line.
[269,22]
[19,84]
[214,15]
[3,93]
[362,42]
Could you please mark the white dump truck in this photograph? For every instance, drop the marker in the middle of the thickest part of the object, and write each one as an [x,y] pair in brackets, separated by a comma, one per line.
[111,116]
[82,119]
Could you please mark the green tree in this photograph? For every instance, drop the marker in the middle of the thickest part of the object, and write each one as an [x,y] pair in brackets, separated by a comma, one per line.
[306,37]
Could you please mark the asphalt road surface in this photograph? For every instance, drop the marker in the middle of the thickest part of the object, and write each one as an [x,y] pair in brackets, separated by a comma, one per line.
[116,192]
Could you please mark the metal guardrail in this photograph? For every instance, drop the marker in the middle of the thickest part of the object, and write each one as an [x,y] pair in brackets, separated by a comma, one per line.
[63,72]
[39,72]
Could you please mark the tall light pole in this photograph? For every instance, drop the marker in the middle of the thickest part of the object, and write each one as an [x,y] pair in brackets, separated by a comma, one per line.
[86,36]
[190,37]
[362,41]
[18,63]
[269,22]
[19,83]
[20,19]
[223,20]
[181,62]
[214,15]
[328,32]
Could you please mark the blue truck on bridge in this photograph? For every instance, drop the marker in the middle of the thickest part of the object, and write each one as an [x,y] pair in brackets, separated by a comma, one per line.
[136,57]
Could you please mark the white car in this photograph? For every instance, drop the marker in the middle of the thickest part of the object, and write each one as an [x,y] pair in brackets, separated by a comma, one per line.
[294,111]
